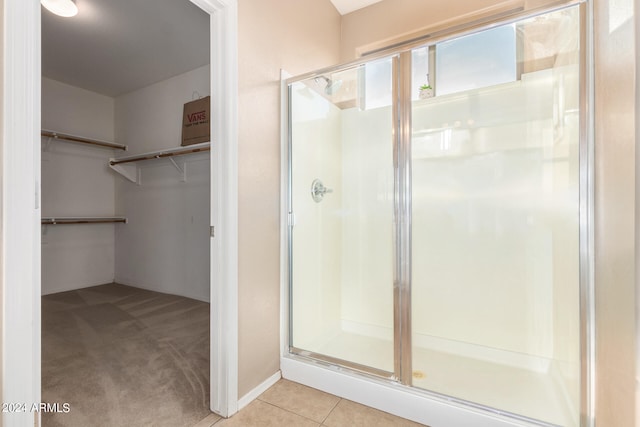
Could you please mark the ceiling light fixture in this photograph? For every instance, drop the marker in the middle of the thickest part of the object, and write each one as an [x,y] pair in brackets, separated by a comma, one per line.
[65,8]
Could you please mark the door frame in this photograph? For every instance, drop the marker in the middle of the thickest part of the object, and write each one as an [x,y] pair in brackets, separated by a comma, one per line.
[21,209]
[20,253]
[224,205]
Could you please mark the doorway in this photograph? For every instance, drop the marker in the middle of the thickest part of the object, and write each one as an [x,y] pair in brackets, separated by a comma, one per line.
[23,216]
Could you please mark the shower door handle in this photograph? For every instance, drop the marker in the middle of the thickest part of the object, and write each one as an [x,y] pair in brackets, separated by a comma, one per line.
[318,190]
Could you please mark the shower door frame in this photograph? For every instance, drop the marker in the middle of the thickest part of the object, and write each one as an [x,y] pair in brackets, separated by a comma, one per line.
[329,374]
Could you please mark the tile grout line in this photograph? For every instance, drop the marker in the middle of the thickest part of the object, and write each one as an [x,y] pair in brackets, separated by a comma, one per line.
[291,412]
[331,411]
[218,420]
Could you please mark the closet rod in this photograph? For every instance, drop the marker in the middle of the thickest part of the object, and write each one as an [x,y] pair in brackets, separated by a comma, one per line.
[82,220]
[74,138]
[161,154]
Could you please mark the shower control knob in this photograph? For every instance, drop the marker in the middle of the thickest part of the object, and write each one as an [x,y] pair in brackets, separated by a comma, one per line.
[318,190]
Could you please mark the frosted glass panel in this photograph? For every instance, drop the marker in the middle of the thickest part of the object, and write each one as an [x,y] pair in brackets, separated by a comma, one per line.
[495,232]
[342,249]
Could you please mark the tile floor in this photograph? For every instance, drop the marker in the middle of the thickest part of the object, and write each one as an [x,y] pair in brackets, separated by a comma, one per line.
[290,404]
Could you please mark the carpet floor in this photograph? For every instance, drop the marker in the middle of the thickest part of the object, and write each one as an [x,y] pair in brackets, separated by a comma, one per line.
[122,356]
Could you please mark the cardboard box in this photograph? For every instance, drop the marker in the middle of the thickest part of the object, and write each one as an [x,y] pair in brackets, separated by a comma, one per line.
[196,123]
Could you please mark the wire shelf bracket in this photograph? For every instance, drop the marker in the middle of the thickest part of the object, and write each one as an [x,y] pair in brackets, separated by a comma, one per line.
[129,169]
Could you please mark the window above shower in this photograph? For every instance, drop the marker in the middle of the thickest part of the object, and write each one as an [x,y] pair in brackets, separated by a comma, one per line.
[478,60]
[474,61]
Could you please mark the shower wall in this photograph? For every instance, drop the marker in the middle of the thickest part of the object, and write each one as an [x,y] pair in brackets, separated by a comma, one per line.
[342,245]
[493,180]
[495,184]
[347,237]
[360,302]
[503,155]
[367,240]
[318,225]
[495,229]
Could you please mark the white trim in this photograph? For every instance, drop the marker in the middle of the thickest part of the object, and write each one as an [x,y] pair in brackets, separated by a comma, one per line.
[257,391]
[224,205]
[21,210]
[284,212]
[392,398]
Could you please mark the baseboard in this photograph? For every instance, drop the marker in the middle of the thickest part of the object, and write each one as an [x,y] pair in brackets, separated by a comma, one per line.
[59,289]
[261,388]
[125,283]
[139,285]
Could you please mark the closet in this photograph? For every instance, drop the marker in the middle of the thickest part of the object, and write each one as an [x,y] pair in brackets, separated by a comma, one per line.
[125,214]
[77,187]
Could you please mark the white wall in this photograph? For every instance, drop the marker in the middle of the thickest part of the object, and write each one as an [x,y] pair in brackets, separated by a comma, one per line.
[76,182]
[165,245]
[150,118]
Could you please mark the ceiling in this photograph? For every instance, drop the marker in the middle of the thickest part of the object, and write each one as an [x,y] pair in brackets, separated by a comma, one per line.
[117,46]
[348,6]
[113,47]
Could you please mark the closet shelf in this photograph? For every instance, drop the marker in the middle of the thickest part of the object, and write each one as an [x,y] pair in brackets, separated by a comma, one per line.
[126,166]
[74,138]
[82,220]
[180,151]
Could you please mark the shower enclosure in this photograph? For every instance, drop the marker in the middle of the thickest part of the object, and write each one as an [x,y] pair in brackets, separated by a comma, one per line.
[438,205]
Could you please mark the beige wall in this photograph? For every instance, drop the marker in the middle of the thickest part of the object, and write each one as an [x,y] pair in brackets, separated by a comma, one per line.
[389,21]
[615,223]
[382,23]
[297,36]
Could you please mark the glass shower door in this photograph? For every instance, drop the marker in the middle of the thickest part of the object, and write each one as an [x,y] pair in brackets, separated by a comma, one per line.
[495,220]
[341,217]
[437,218]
